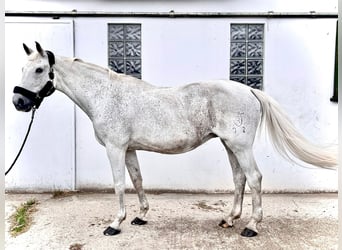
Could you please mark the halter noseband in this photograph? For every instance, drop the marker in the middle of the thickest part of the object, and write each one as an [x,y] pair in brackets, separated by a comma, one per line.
[47,90]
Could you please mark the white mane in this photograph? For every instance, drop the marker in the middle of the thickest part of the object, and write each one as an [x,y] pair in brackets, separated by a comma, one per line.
[112,75]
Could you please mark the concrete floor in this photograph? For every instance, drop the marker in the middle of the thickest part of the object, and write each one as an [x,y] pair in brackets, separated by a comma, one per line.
[177,221]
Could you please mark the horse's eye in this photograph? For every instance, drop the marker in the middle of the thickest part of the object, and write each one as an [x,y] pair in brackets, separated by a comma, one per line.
[39,70]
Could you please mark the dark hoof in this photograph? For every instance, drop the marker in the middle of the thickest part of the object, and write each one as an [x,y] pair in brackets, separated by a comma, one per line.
[111,231]
[224,224]
[138,221]
[248,233]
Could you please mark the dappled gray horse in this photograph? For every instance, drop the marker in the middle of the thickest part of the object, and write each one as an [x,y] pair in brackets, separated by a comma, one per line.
[129,114]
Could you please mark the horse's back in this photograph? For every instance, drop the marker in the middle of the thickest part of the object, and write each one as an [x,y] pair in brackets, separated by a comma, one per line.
[224,97]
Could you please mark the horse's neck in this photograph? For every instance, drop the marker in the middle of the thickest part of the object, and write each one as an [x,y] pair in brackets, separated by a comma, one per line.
[73,81]
[90,86]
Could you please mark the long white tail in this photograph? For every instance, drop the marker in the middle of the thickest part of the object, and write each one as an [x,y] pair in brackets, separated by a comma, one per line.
[286,139]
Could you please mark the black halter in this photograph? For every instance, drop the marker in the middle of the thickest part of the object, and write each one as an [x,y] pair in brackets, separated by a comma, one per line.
[47,90]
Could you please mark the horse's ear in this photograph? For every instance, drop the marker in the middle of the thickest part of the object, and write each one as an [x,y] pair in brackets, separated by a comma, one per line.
[39,49]
[27,49]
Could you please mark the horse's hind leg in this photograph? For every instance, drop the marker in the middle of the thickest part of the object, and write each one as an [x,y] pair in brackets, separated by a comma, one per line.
[249,167]
[240,182]
[133,168]
[244,168]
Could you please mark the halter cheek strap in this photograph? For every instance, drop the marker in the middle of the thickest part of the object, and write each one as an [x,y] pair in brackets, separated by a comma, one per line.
[47,90]
[51,57]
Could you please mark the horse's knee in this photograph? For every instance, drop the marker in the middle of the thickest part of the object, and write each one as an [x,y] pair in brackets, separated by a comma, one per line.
[119,188]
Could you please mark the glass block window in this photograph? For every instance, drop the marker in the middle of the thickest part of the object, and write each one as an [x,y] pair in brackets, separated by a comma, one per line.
[124,48]
[247,54]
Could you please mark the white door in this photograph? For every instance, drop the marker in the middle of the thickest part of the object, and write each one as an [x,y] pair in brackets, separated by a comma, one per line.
[48,159]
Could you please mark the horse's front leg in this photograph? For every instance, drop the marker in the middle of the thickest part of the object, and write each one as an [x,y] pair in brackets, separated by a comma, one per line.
[133,168]
[116,157]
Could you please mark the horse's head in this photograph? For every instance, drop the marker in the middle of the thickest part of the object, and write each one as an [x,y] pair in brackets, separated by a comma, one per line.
[37,79]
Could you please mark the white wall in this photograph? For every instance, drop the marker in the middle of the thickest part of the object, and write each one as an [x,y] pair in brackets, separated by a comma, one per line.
[299,57]
[47,161]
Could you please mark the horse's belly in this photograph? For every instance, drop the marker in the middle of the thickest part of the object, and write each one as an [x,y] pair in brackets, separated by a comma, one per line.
[167,144]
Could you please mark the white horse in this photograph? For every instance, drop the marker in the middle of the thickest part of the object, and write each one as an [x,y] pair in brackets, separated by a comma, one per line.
[129,114]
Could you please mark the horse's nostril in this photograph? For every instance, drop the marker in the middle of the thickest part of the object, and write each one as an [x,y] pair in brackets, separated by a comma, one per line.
[21,102]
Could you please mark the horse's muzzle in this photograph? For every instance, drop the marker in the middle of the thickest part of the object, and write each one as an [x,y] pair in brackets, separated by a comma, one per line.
[22,103]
